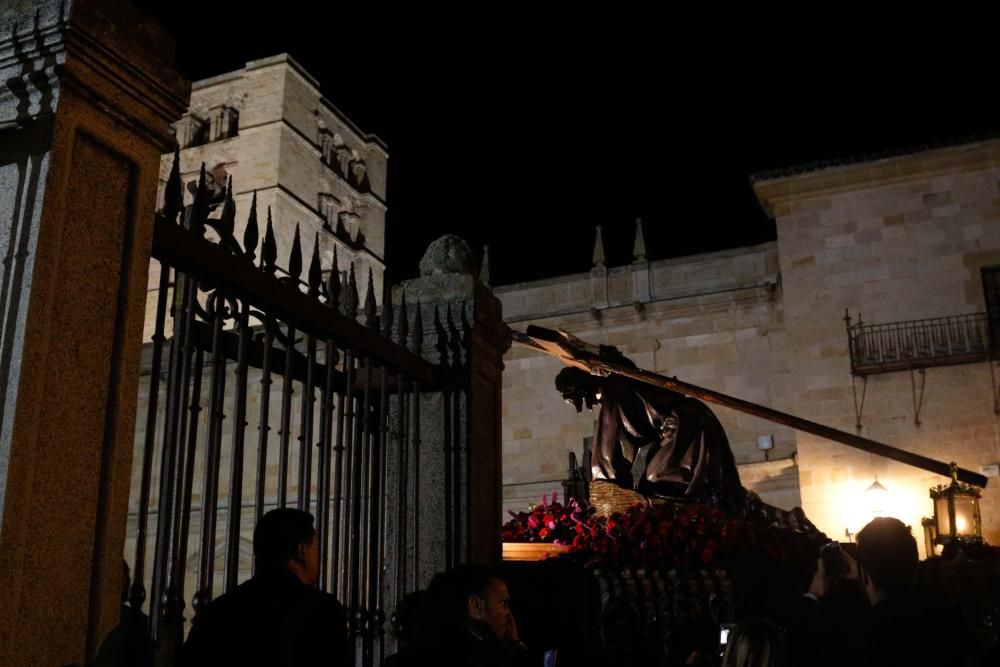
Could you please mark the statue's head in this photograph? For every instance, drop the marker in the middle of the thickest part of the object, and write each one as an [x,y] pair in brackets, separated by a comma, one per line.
[579,388]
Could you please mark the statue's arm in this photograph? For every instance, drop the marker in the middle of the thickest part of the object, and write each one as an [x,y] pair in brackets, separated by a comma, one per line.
[605,444]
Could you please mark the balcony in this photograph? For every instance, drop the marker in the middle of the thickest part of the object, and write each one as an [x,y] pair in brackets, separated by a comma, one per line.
[938,341]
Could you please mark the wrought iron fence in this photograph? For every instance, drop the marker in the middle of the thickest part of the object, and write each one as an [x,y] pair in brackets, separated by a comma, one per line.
[939,341]
[241,329]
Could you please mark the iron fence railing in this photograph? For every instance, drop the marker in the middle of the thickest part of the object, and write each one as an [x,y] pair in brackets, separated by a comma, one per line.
[253,367]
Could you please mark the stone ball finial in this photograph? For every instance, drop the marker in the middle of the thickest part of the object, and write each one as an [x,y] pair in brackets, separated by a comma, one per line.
[449,254]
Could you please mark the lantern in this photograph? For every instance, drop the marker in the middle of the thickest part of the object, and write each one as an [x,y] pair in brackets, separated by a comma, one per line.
[956,512]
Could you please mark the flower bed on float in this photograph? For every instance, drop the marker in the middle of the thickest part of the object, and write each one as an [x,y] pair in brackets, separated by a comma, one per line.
[661,536]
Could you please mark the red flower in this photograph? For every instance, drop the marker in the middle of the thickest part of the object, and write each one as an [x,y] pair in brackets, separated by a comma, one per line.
[663,536]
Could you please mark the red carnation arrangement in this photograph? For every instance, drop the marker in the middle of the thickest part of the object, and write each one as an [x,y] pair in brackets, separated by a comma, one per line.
[549,522]
[679,534]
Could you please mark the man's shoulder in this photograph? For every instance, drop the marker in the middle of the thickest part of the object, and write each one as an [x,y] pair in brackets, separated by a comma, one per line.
[222,607]
[323,609]
[245,599]
[321,599]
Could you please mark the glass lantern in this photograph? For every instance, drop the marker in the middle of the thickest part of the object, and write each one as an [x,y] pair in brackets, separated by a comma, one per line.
[956,512]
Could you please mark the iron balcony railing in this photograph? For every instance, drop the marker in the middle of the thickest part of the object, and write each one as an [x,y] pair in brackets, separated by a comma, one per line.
[937,341]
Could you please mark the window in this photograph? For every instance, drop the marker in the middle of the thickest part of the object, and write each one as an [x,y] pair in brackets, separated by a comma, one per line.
[991,289]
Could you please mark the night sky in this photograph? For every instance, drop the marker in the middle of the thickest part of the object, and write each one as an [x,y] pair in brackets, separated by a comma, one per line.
[524,137]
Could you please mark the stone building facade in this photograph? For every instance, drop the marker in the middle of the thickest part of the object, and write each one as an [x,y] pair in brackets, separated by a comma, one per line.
[269,128]
[899,239]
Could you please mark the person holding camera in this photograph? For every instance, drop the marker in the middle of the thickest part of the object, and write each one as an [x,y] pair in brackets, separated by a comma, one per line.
[826,625]
[903,619]
[867,610]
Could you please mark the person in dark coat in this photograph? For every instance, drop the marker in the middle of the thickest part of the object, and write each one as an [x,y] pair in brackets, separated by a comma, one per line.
[277,617]
[466,621]
[906,625]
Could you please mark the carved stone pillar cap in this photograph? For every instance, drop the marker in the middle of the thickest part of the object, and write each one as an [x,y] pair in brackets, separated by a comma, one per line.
[449,254]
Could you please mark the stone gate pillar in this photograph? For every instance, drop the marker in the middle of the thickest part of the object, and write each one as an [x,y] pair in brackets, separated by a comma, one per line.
[458,472]
[86,95]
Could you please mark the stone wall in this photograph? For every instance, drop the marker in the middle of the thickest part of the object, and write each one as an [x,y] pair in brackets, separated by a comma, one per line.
[896,239]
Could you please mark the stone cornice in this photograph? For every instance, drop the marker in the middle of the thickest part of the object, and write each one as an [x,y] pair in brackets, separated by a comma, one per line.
[84,46]
[372,141]
[785,189]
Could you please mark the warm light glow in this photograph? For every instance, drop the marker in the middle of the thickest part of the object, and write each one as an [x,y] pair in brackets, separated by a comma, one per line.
[965,516]
[860,501]
[876,498]
[862,504]
[855,503]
